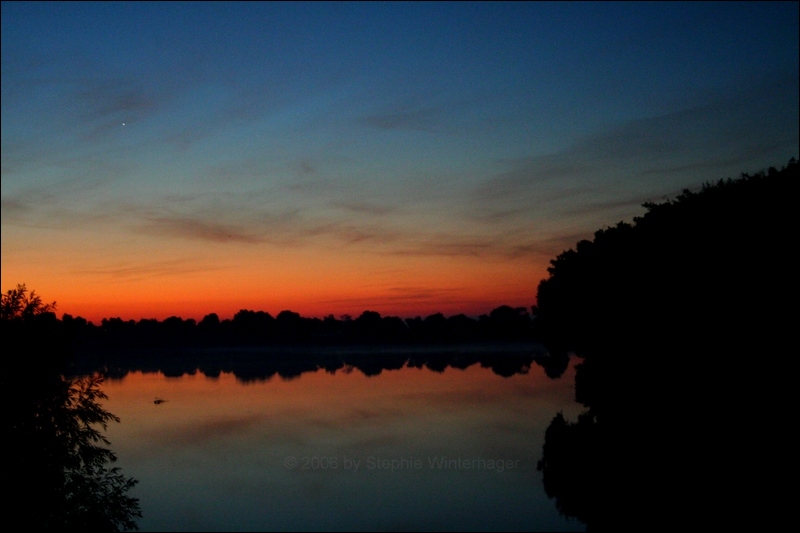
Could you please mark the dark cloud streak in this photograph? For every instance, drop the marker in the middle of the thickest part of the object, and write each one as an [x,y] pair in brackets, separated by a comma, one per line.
[196,229]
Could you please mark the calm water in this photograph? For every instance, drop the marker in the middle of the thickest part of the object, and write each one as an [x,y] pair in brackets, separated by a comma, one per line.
[408,449]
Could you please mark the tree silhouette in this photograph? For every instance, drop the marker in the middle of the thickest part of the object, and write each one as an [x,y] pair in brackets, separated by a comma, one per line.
[19,303]
[59,463]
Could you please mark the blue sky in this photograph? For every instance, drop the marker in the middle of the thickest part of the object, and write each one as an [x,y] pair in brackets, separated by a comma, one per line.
[152,151]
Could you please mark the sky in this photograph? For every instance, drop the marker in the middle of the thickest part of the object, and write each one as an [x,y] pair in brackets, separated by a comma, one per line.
[179,159]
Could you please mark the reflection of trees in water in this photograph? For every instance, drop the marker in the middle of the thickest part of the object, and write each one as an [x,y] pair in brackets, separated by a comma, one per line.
[61,468]
[256,366]
[664,440]
[570,466]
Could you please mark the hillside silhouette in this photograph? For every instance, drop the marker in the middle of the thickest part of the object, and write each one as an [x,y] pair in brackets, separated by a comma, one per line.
[681,318]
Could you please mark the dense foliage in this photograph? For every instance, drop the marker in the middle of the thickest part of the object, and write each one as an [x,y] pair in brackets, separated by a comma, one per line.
[707,262]
[681,318]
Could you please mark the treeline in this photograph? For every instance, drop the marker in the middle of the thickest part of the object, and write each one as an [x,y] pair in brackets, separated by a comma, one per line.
[259,328]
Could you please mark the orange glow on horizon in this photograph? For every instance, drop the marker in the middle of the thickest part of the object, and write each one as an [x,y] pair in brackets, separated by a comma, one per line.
[432,285]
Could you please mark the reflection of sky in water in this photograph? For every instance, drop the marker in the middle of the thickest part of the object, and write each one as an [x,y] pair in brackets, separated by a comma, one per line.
[213,456]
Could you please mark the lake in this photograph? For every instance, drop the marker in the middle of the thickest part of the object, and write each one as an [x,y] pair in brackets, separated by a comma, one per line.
[410,446]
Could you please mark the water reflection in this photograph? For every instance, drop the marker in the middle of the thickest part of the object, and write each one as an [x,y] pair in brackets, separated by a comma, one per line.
[408,441]
[261,364]
[671,434]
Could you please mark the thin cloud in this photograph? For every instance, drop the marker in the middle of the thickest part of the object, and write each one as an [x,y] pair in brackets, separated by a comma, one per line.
[197,229]
[58,205]
[428,114]
[426,119]
[305,168]
[500,215]
[145,270]
[116,97]
[13,210]
[532,250]
[437,248]
[242,219]
[402,295]
[102,105]
[236,219]
[365,208]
